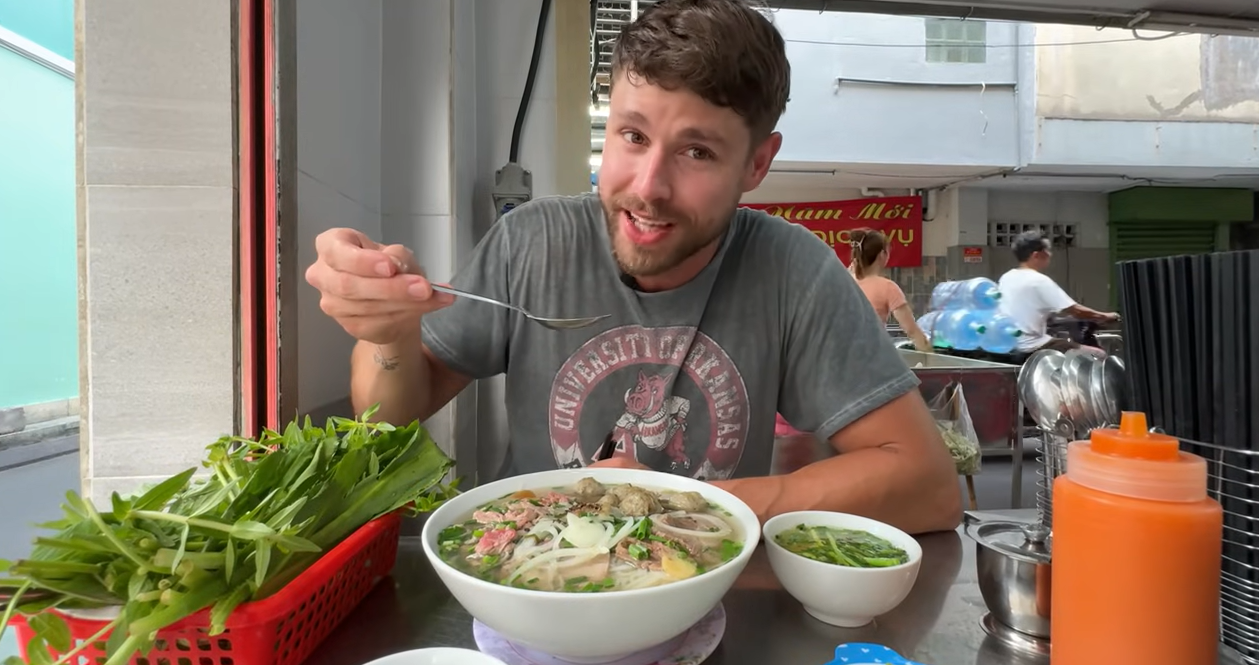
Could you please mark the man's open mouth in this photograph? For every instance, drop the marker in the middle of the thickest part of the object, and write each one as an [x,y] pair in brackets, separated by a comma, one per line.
[645,231]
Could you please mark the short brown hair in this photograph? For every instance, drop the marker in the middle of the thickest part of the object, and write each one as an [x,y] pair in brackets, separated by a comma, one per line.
[722,50]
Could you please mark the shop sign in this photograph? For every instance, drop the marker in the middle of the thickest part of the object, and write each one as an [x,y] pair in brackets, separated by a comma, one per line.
[899,217]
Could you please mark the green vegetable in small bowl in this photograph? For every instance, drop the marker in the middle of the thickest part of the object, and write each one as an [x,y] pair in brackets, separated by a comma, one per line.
[841,547]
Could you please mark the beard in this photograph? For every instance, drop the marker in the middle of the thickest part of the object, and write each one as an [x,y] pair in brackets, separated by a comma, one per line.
[687,236]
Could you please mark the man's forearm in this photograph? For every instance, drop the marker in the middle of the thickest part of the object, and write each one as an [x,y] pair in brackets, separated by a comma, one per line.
[395,376]
[885,484]
[1082,312]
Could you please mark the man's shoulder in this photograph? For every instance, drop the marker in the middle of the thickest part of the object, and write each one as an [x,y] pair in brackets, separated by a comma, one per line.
[772,235]
[1021,277]
[788,258]
[556,209]
[547,224]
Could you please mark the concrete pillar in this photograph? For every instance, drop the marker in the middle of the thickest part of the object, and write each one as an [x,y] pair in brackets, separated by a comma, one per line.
[155,181]
[401,113]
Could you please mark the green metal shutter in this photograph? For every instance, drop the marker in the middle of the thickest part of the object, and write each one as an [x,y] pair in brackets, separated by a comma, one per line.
[1132,240]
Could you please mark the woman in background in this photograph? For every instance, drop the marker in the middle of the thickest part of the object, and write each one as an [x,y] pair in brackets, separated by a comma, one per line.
[869,258]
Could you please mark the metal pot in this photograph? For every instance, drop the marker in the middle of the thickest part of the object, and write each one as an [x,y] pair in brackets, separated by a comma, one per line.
[1014,570]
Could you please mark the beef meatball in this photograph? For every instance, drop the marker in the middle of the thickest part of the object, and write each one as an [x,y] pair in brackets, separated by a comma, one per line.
[689,501]
[638,503]
[589,489]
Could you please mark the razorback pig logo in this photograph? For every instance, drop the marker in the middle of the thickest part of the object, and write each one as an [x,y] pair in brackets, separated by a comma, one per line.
[649,390]
[654,419]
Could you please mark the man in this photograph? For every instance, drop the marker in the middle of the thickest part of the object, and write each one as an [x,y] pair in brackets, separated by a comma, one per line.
[1029,297]
[719,316]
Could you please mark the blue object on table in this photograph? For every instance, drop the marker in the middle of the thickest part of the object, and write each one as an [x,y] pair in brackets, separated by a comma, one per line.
[868,654]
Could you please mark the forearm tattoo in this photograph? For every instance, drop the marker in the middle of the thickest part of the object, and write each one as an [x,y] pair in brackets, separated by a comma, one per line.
[387,363]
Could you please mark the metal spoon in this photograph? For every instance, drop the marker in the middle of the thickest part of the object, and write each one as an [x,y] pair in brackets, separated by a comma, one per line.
[553,324]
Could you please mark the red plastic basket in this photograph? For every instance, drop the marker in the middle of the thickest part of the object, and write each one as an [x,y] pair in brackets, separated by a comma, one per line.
[283,629]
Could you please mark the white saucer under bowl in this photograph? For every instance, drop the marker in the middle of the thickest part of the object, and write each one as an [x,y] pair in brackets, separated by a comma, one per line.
[689,648]
[438,656]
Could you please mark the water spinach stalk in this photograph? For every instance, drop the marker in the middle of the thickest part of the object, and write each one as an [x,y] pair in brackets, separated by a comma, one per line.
[263,511]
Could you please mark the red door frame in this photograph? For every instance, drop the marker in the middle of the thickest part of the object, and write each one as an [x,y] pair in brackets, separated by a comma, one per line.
[258,247]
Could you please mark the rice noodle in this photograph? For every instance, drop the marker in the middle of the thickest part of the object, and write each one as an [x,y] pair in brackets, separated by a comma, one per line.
[644,579]
[723,529]
[526,548]
[577,555]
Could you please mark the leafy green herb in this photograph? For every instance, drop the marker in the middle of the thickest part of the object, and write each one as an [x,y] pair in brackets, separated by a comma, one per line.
[730,549]
[583,584]
[965,453]
[601,585]
[264,512]
[639,552]
[642,530]
[452,535]
[841,547]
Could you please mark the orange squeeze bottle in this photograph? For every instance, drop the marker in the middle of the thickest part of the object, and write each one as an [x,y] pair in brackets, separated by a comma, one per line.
[1137,548]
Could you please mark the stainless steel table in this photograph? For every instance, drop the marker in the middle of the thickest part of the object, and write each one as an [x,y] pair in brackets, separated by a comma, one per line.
[938,624]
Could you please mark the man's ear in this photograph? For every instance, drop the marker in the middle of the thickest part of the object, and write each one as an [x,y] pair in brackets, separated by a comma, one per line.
[762,159]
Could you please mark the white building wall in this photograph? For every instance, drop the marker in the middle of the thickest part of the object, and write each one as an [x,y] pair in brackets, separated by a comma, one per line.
[862,91]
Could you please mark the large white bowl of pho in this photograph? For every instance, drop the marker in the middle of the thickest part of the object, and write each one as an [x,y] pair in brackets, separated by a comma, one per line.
[845,569]
[591,565]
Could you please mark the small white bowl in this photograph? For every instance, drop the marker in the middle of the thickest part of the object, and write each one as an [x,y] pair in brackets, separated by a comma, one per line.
[438,656]
[841,595]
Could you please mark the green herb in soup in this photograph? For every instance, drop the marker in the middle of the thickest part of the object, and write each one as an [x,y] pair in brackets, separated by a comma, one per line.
[841,547]
[592,537]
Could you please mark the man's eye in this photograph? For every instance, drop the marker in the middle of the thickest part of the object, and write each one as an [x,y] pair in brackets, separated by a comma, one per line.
[698,153]
[633,137]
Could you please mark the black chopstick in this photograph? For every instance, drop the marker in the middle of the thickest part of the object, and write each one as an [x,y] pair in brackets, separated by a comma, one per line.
[605,450]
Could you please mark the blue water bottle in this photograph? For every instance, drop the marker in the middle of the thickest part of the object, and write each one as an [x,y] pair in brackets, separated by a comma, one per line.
[976,293]
[962,328]
[929,323]
[1000,333]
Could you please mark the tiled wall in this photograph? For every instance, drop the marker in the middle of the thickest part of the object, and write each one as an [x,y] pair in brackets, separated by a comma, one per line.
[917,283]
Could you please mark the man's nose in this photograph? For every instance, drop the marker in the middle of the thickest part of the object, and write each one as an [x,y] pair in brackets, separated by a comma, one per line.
[652,181]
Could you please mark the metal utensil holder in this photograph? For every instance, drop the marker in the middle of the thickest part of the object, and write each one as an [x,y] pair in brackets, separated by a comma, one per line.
[1052,455]
[1239,597]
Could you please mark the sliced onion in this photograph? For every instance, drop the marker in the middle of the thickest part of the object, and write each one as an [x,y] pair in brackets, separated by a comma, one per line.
[572,554]
[583,532]
[624,533]
[545,524]
[722,531]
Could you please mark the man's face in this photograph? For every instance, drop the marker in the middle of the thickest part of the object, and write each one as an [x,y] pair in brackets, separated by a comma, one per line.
[674,169]
[1043,257]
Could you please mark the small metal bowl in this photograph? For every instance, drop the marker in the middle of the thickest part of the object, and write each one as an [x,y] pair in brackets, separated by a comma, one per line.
[1014,570]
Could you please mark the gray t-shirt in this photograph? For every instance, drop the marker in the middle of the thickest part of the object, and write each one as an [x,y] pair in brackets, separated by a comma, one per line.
[686,380]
